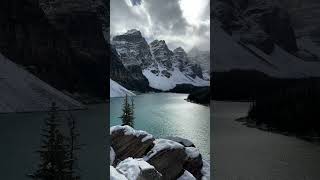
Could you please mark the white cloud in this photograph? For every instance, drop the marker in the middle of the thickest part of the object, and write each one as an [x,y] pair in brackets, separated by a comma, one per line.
[184,23]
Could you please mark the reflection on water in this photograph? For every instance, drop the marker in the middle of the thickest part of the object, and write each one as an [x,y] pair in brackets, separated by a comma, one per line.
[168,114]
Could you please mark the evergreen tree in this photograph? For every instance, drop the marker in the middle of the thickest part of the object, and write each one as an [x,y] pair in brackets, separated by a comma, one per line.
[53,151]
[127,113]
[58,153]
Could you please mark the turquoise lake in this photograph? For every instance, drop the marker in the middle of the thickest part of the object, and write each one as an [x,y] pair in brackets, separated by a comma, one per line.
[168,114]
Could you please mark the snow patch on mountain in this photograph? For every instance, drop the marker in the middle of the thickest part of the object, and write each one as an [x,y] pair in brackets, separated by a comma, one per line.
[161,82]
[116,90]
[163,68]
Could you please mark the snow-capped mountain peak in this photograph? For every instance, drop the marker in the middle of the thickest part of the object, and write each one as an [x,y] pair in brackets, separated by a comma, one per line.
[163,68]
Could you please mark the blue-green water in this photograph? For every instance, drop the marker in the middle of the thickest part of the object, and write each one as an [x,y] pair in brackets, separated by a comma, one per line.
[168,114]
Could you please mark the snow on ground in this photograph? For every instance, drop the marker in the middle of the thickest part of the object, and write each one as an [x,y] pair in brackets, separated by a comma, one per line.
[115,175]
[130,131]
[162,144]
[205,170]
[116,90]
[186,176]
[131,168]
[192,152]
[161,82]
[23,92]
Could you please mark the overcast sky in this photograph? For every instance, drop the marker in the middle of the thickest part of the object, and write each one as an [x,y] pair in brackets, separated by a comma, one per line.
[184,23]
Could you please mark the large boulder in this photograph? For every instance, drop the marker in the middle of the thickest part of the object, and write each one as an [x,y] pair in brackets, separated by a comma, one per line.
[138,169]
[127,142]
[193,162]
[167,157]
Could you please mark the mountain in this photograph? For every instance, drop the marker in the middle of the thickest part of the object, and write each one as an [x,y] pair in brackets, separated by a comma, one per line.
[258,35]
[62,43]
[130,77]
[116,90]
[202,58]
[23,92]
[163,68]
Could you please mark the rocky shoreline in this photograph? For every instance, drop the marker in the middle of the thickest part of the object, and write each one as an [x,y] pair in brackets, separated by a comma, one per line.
[136,154]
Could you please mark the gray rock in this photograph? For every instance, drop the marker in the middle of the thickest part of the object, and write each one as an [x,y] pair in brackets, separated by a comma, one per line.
[134,144]
[193,162]
[167,157]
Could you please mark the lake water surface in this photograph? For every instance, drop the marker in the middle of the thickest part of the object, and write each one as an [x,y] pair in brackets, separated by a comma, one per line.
[168,114]
[241,152]
[20,139]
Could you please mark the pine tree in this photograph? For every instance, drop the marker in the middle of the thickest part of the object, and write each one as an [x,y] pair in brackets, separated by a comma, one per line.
[127,113]
[53,151]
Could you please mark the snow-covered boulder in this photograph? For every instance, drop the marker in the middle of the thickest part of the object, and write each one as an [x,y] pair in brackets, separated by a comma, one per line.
[128,142]
[116,175]
[167,157]
[137,155]
[186,176]
[193,162]
[138,169]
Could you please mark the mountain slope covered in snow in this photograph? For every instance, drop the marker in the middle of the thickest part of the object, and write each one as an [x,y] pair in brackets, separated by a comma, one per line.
[23,92]
[163,68]
[259,35]
[116,90]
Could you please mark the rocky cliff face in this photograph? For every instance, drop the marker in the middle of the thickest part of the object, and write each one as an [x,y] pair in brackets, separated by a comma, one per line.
[65,48]
[130,77]
[163,68]
[259,22]
[133,49]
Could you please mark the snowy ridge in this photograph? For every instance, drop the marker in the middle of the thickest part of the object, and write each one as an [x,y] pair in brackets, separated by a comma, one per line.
[23,92]
[116,90]
[163,68]
[177,77]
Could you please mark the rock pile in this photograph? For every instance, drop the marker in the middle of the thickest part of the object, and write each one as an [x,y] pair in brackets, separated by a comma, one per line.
[137,155]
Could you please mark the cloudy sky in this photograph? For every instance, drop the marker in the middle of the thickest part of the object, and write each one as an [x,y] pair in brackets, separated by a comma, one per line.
[184,23]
